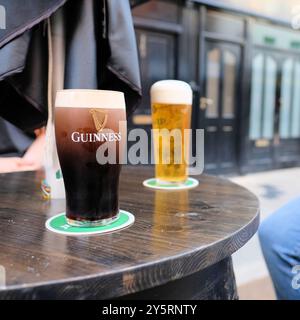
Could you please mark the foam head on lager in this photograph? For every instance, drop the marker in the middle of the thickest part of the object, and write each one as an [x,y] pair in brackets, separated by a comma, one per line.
[171,104]
[84,121]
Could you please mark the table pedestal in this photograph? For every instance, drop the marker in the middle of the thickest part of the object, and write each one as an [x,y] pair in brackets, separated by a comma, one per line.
[216,282]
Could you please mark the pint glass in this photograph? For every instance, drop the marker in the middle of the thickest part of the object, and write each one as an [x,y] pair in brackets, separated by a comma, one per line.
[86,120]
[171,104]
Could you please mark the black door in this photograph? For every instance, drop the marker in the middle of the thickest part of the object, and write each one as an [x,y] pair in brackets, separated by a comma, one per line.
[219,104]
[157,62]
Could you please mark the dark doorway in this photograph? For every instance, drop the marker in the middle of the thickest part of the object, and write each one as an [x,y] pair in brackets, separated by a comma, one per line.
[219,103]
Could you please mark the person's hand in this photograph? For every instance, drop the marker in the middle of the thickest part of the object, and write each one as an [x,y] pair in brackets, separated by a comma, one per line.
[14,164]
[33,157]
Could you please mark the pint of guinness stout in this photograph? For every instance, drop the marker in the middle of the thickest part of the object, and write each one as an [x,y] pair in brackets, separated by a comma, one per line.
[171,102]
[84,121]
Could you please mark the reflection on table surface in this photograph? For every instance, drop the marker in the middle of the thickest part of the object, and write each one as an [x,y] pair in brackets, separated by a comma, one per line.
[2,277]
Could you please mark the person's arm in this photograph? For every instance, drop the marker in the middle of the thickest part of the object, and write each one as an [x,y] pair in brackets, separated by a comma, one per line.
[13,164]
[32,159]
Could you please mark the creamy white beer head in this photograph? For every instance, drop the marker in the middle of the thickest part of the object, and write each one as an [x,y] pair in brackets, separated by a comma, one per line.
[85,98]
[171,92]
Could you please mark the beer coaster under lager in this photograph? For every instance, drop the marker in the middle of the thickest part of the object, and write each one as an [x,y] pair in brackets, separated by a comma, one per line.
[59,224]
[155,184]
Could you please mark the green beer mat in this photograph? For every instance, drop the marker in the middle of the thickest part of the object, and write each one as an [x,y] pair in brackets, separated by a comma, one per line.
[154,184]
[59,224]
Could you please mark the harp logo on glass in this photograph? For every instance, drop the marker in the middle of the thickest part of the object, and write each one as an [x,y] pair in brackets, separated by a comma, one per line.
[100,120]
[2,18]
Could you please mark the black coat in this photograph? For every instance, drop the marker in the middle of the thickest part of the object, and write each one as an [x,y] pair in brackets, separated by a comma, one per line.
[100,54]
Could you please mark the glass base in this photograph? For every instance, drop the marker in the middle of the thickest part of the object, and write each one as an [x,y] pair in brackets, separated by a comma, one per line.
[154,183]
[175,183]
[94,223]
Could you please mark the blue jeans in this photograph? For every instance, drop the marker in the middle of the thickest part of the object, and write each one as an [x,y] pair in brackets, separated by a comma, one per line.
[279,236]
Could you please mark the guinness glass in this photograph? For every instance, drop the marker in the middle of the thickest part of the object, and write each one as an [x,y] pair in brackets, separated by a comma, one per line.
[84,121]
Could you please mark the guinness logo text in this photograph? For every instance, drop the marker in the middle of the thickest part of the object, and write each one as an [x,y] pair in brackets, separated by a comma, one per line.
[95,137]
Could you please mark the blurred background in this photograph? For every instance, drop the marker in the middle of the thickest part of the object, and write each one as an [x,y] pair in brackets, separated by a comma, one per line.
[242,59]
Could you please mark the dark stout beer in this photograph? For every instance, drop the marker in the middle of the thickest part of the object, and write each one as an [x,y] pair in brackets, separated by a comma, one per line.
[84,121]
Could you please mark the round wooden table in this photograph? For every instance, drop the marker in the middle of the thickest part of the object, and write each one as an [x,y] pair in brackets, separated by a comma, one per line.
[180,246]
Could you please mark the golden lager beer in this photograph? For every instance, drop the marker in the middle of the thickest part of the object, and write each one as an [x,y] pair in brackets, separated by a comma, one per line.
[171,103]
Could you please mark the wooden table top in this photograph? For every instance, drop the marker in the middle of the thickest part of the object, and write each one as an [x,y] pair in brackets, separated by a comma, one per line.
[176,233]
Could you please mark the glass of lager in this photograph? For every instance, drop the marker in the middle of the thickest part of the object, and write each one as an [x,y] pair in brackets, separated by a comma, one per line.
[86,121]
[171,104]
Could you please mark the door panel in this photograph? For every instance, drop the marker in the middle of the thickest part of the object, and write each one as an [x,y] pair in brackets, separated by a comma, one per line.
[230,63]
[295,114]
[269,99]
[287,150]
[286,98]
[256,96]
[213,80]
[218,105]
[265,81]
[274,129]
